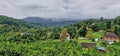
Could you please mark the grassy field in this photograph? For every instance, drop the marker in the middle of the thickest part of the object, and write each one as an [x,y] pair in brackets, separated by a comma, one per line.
[53,48]
[98,34]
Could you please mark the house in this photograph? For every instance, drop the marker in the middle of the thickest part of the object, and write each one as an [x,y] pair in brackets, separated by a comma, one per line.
[111,37]
[101,49]
[88,45]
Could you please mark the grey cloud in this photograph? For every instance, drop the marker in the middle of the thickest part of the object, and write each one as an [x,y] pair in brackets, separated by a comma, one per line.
[33,7]
[60,8]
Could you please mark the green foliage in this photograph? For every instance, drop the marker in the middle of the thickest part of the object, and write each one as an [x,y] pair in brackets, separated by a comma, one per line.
[89,33]
[63,34]
[98,34]
[53,48]
[72,31]
[19,38]
[83,31]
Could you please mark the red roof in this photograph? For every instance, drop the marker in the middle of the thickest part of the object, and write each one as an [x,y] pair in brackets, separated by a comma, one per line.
[111,35]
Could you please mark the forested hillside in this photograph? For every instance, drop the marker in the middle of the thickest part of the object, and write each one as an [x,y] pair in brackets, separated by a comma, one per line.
[20,38]
[9,24]
[11,21]
[79,29]
[18,30]
[96,25]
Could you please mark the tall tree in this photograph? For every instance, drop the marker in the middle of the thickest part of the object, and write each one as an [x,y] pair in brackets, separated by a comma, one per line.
[89,33]
[83,31]
[63,34]
[95,27]
[112,29]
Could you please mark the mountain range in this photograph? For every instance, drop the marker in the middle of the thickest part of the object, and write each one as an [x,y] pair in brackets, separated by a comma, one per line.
[51,22]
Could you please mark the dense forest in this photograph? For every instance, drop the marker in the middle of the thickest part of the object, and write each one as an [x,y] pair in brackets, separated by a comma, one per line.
[20,38]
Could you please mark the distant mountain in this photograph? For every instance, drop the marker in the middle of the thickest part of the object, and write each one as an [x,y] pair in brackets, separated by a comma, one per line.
[50,22]
[5,20]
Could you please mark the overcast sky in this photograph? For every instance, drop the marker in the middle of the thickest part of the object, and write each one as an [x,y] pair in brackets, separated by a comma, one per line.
[60,8]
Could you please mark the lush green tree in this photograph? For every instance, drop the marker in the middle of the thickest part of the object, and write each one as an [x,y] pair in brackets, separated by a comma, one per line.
[72,31]
[89,33]
[117,30]
[112,29]
[83,31]
[63,34]
[95,27]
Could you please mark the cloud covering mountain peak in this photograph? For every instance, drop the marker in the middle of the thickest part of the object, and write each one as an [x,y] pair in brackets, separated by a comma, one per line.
[60,8]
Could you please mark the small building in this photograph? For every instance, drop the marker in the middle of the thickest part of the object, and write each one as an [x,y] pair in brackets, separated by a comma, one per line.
[88,45]
[101,49]
[111,37]
[110,41]
[96,39]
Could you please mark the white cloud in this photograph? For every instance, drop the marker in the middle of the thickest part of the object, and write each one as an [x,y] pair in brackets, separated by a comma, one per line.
[60,8]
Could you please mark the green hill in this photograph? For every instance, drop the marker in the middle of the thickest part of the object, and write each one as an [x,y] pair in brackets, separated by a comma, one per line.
[9,24]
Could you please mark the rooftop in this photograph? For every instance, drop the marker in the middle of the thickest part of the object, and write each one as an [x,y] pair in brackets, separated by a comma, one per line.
[101,48]
[111,35]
